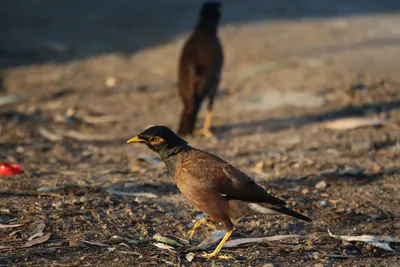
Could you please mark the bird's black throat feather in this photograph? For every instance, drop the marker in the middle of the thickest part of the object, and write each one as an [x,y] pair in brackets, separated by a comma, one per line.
[170,157]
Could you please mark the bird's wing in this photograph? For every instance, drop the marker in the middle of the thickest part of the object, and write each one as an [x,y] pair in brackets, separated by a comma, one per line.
[216,174]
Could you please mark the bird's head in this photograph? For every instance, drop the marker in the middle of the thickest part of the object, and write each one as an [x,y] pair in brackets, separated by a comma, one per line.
[211,10]
[159,138]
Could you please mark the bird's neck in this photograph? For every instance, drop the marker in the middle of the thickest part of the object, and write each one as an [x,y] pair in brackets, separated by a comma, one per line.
[207,26]
[170,158]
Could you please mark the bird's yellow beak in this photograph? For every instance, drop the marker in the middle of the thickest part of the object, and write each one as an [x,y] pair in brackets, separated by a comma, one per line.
[135,139]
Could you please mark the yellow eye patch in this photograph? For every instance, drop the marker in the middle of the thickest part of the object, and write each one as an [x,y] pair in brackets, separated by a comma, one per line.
[155,140]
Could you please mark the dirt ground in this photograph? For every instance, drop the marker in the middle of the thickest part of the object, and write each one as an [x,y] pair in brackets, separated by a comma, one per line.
[90,76]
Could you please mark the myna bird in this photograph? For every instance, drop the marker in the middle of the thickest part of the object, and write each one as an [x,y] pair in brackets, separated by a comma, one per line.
[200,68]
[211,184]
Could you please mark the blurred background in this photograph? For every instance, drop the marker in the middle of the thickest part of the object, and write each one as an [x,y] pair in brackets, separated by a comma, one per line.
[78,78]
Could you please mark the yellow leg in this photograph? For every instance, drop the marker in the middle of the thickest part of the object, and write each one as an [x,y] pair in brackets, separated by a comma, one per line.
[205,220]
[206,130]
[207,121]
[219,247]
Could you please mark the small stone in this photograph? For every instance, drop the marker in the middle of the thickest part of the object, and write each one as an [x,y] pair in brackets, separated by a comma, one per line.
[200,216]
[318,265]
[376,216]
[369,248]
[305,191]
[20,149]
[268,265]
[110,82]
[353,171]
[361,146]
[350,252]
[324,203]
[321,185]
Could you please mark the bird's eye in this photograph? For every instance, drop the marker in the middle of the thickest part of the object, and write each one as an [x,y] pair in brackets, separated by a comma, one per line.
[155,140]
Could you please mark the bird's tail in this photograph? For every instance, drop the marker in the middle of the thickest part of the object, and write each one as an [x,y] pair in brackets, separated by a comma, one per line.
[290,212]
[187,122]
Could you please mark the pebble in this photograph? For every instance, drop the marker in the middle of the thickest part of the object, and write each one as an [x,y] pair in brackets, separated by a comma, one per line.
[321,185]
[305,191]
[200,216]
[361,146]
[351,171]
[351,252]
[324,203]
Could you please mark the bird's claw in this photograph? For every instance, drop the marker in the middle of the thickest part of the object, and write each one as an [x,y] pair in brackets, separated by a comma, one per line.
[206,133]
[212,255]
[190,234]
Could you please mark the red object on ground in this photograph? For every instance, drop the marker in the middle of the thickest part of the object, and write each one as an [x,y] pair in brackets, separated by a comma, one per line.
[9,169]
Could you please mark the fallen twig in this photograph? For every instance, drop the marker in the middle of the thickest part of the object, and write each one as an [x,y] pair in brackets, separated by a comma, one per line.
[4,226]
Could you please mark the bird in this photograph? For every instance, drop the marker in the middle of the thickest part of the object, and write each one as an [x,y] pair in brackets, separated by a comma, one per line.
[211,184]
[199,70]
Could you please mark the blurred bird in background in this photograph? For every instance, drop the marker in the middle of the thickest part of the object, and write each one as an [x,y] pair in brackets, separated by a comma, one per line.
[200,70]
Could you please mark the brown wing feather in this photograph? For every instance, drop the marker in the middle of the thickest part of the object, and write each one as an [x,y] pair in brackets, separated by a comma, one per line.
[218,175]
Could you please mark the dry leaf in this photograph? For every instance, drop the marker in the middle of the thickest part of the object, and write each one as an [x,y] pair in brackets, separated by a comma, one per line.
[50,189]
[124,245]
[190,256]
[352,123]
[49,135]
[166,240]
[211,240]
[3,226]
[130,194]
[36,241]
[244,241]
[11,99]
[163,246]
[217,235]
[369,239]
[36,235]
[94,243]
[75,241]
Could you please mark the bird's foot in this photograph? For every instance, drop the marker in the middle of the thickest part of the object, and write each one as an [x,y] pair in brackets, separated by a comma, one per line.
[191,234]
[213,255]
[206,132]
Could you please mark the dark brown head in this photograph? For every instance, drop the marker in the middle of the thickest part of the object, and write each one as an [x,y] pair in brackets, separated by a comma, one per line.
[211,10]
[159,139]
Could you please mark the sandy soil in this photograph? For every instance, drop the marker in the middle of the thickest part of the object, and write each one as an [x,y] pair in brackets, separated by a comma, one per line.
[290,68]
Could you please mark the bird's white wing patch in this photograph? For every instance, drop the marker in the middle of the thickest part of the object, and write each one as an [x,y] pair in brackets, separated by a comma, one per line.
[261,209]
